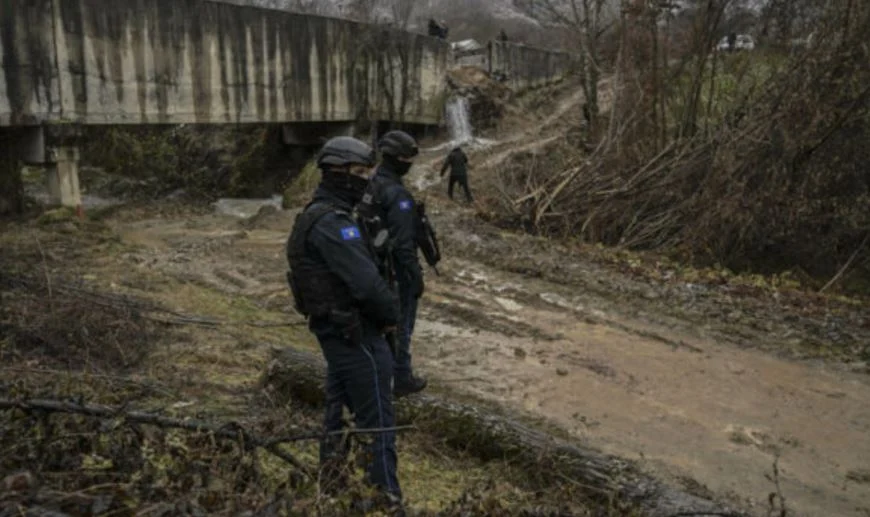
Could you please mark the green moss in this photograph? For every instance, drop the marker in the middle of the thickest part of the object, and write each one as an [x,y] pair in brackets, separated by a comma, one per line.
[302,186]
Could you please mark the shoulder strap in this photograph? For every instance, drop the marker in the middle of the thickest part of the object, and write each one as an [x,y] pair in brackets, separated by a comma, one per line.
[304,222]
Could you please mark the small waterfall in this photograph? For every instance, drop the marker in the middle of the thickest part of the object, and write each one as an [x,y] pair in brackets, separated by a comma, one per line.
[458,121]
[459,126]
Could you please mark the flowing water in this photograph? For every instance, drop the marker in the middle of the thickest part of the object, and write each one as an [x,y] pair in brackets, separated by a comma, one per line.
[458,121]
[245,208]
[460,128]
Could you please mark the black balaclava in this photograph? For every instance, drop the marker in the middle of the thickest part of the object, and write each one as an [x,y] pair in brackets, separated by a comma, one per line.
[396,165]
[348,187]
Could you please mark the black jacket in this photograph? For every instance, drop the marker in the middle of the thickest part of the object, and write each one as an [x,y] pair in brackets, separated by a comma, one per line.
[337,240]
[399,213]
[457,161]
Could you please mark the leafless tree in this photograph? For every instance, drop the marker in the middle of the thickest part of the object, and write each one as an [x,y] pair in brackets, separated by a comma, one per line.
[402,11]
[589,20]
[361,10]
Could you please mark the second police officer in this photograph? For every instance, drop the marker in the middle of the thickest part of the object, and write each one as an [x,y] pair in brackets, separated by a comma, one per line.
[396,209]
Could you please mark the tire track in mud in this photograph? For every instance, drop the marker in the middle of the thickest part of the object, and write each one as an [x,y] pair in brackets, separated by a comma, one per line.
[693,410]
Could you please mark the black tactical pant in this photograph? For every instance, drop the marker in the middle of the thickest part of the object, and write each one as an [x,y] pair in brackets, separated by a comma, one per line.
[359,376]
[408,304]
[463,182]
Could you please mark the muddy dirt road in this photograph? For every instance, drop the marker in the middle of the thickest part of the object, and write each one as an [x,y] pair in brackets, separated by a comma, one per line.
[694,409]
[621,372]
[700,383]
[697,382]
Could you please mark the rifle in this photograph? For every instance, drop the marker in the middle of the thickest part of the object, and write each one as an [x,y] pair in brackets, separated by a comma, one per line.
[427,239]
[381,245]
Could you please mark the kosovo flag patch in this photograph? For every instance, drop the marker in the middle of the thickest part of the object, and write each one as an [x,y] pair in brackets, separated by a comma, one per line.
[351,233]
[405,205]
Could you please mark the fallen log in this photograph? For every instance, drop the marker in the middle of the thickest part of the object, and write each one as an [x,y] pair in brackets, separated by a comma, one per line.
[489,435]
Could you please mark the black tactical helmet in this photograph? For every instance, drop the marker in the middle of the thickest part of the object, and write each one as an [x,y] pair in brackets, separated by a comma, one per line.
[346,150]
[399,144]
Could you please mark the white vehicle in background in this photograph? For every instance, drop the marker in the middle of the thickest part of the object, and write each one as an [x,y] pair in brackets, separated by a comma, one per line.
[741,42]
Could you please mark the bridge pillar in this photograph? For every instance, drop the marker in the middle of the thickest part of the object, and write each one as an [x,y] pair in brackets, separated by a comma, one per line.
[55,150]
[63,176]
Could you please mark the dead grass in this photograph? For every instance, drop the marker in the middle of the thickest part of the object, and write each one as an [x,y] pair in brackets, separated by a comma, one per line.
[206,371]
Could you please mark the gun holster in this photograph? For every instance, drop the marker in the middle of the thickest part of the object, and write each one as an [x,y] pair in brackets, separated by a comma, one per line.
[349,322]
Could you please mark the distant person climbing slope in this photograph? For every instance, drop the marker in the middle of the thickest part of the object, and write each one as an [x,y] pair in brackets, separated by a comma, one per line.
[457,162]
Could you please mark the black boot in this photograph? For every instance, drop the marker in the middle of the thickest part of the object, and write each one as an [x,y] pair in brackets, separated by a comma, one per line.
[408,386]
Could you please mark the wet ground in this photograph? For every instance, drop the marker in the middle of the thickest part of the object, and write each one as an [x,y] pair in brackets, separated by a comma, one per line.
[702,401]
[705,384]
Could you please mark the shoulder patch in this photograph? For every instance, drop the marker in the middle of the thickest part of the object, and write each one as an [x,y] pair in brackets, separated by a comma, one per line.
[405,205]
[351,233]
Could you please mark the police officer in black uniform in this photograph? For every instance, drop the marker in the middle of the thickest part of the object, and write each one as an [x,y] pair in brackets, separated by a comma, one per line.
[337,286]
[397,210]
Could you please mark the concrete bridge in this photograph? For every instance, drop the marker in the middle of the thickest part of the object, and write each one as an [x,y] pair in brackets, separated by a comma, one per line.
[73,63]
[517,65]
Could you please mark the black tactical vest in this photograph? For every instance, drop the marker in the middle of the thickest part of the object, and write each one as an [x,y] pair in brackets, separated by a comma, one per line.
[317,292]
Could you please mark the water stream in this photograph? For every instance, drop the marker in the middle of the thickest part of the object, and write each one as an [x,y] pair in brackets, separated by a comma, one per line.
[458,121]
[459,125]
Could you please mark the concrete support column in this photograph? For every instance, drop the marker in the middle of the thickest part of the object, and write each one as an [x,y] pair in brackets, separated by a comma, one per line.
[63,176]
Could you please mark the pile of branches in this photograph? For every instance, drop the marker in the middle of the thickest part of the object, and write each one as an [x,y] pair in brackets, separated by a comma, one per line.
[66,458]
[68,324]
[779,182]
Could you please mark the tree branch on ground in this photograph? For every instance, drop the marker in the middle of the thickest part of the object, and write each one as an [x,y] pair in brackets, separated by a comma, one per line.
[230,431]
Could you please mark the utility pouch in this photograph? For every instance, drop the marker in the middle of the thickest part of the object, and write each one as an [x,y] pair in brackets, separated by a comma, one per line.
[350,324]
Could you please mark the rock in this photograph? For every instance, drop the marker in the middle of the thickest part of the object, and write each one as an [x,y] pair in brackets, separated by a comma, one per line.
[562,371]
[519,353]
